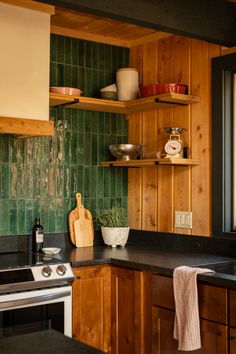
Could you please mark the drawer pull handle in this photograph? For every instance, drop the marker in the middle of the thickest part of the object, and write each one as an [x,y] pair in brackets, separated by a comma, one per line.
[78,277]
[232,337]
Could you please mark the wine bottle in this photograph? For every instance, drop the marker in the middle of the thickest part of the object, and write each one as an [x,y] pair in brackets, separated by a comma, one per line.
[37,236]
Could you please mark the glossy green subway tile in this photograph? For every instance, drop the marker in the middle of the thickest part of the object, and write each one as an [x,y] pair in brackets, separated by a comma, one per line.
[106,182]
[51,215]
[108,58]
[88,149]
[53,48]
[82,52]
[87,182]
[94,183]
[101,79]
[68,76]
[66,181]
[120,57]
[88,82]
[21,216]
[114,58]
[61,49]
[68,50]
[94,122]
[88,58]
[74,185]
[94,149]
[101,122]
[53,74]
[113,182]
[80,174]
[74,148]
[59,181]
[29,215]
[81,79]
[95,83]
[95,54]
[101,56]
[13,217]
[5,216]
[100,181]
[80,155]
[59,215]
[29,181]
[88,122]
[44,215]
[5,149]
[75,51]
[60,75]
[5,181]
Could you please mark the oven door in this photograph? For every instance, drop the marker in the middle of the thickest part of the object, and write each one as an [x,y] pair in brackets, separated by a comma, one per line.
[35,310]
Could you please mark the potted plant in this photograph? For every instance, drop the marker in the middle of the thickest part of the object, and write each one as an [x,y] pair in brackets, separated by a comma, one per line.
[114,226]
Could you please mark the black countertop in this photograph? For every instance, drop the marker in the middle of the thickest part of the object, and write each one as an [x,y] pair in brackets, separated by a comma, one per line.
[44,342]
[140,257]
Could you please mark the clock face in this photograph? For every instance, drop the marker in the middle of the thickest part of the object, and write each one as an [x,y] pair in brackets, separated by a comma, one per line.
[173,147]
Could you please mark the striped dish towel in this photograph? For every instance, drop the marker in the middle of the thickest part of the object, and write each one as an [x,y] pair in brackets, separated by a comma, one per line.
[187,323]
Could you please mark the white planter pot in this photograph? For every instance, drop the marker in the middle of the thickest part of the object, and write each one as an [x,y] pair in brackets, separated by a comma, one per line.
[115,236]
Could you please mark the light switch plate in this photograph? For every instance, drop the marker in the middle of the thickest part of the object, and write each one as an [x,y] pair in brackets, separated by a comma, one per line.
[183,219]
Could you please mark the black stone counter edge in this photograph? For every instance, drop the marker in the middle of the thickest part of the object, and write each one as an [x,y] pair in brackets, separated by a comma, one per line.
[220,280]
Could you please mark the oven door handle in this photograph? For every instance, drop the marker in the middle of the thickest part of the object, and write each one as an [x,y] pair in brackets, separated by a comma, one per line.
[32,300]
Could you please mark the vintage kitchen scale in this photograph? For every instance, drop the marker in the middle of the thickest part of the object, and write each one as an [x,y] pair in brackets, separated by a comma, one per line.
[174,147]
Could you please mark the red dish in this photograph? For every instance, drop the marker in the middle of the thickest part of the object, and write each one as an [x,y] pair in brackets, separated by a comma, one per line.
[157,89]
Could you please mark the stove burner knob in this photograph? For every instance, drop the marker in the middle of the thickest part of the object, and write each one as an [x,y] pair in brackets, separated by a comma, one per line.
[61,270]
[46,271]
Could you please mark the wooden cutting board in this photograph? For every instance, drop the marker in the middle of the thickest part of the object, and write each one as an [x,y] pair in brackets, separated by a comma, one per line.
[81,225]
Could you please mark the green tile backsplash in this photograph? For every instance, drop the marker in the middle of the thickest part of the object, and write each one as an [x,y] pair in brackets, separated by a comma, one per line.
[40,176]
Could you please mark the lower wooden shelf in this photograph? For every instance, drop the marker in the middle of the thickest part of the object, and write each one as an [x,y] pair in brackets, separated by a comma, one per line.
[150,162]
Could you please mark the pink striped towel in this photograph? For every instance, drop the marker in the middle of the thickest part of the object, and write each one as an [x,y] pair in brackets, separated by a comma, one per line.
[187,324]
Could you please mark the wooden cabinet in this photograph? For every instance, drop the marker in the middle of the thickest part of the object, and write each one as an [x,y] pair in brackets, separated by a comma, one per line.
[213,311]
[130,316]
[92,306]
[213,335]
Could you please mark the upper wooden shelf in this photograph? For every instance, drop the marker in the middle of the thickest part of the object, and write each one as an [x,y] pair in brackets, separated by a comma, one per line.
[166,100]
[26,127]
[150,162]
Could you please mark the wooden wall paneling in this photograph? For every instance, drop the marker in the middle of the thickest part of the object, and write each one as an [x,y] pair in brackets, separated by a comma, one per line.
[165,64]
[200,85]
[149,174]
[182,118]
[135,137]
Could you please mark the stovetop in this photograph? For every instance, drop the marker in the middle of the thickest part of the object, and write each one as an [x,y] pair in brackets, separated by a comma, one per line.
[20,259]
[26,270]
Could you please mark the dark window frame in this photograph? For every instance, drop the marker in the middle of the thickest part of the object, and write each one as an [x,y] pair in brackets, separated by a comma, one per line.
[223,70]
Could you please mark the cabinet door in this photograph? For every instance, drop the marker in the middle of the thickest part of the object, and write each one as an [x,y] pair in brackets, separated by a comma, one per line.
[232,342]
[131,323]
[92,306]
[213,335]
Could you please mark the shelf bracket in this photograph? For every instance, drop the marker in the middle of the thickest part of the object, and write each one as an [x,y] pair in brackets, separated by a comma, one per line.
[159,100]
[67,103]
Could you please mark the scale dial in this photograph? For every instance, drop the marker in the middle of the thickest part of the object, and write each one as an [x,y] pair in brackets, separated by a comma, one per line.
[173,147]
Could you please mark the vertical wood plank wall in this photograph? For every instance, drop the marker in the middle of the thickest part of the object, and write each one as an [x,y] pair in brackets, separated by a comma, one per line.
[156,192]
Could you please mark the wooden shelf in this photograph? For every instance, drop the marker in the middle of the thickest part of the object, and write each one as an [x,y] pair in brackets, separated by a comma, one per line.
[166,100]
[150,162]
[26,127]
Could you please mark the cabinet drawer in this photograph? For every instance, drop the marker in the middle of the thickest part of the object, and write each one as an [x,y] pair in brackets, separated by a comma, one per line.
[232,311]
[212,300]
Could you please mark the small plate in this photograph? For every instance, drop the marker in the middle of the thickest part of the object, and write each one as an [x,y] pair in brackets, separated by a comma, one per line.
[51,250]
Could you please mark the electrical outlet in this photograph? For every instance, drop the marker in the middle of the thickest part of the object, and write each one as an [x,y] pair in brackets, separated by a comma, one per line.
[183,219]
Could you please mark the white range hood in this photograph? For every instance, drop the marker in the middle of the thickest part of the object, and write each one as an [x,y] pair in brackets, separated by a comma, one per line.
[24,67]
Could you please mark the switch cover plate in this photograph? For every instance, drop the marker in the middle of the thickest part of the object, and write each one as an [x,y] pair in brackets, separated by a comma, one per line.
[183,219]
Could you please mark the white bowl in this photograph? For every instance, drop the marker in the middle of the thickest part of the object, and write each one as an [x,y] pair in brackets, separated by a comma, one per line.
[51,250]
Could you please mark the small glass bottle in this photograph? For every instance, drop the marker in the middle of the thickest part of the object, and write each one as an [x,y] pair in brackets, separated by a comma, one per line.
[37,236]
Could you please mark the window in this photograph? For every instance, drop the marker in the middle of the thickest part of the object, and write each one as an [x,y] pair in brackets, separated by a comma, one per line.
[224,145]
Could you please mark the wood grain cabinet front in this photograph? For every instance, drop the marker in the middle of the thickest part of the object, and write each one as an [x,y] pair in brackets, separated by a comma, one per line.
[213,311]
[131,311]
[92,306]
